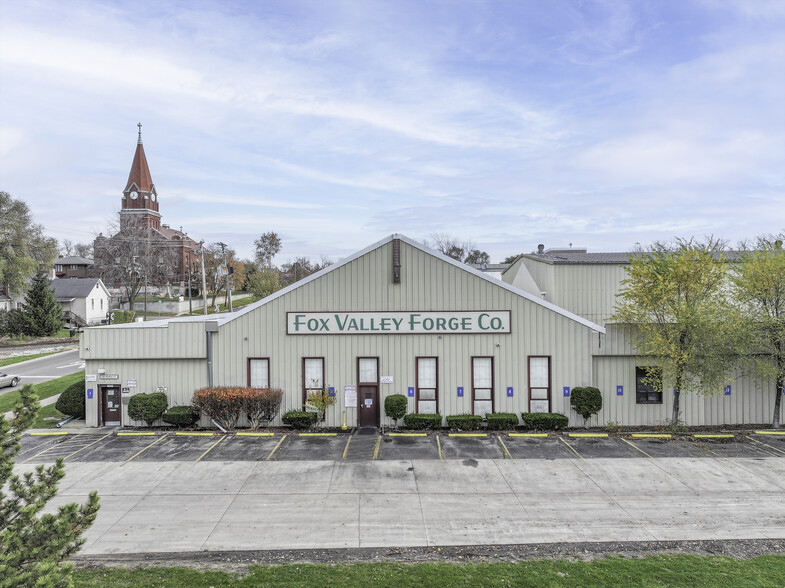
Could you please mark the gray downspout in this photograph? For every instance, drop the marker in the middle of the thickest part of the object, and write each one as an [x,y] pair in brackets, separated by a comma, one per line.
[210,327]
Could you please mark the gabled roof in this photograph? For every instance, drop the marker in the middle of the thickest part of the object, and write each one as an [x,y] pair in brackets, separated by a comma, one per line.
[140,172]
[222,319]
[68,289]
[73,261]
[580,257]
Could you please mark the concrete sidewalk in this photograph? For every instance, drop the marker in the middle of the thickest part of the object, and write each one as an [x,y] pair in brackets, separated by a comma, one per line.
[185,506]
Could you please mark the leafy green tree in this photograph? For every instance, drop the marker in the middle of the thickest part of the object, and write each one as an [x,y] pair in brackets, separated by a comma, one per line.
[759,288]
[511,258]
[23,245]
[586,401]
[43,314]
[264,282]
[34,545]
[267,246]
[674,302]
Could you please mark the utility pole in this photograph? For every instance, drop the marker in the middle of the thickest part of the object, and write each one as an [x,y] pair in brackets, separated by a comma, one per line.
[226,267]
[204,279]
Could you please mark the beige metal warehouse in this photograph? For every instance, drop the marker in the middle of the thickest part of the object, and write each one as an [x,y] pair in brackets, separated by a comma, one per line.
[394,318]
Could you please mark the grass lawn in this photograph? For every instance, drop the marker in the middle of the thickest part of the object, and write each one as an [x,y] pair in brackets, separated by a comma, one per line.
[21,358]
[44,390]
[43,413]
[657,571]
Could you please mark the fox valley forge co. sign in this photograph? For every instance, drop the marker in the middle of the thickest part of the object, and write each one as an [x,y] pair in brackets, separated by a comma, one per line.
[397,323]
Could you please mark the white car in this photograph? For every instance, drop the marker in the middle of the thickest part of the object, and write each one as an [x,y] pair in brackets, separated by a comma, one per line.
[8,380]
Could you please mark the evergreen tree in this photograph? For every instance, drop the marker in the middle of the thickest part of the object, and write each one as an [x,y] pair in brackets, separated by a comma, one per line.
[34,546]
[43,314]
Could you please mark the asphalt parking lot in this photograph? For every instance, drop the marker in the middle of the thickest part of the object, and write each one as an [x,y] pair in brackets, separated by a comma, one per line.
[121,446]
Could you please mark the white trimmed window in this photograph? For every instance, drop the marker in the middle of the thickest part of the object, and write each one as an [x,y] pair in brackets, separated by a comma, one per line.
[482,385]
[313,375]
[259,372]
[539,384]
[427,385]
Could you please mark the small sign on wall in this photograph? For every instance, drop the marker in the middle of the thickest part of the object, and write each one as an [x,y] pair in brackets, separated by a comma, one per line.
[387,379]
[566,391]
[460,390]
[130,383]
[509,391]
[411,391]
[349,395]
[619,390]
[89,393]
[331,391]
[91,378]
[727,390]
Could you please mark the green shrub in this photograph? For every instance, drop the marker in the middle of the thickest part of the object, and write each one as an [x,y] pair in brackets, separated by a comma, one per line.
[395,406]
[465,422]
[147,407]
[586,401]
[181,416]
[300,419]
[71,401]
[422,421]
[547,421]
[501,421]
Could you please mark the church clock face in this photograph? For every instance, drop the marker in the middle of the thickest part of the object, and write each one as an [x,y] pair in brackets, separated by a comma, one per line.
[152,196]
[134,195]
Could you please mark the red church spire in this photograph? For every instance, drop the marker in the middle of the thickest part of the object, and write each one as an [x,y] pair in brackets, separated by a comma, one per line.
[140,196]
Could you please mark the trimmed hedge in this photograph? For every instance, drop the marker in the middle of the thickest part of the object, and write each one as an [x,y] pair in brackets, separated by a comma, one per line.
[395,406]
[501,421]
[465,422]
[147,407]
[546,421]
[586,401]
[223,404]
[181,416]
[422,421]
[300,419]
[71,401]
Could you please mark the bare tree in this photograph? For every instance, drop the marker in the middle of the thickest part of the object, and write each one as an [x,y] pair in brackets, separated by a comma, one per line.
[267,247]
[463,251]
[215,270]
[134,256]
[302,267]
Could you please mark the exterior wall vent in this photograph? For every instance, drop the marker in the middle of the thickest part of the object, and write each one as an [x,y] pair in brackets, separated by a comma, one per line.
[396,265]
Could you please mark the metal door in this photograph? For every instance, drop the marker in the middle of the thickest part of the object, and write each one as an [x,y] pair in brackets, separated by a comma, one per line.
[368,411]
[111,405]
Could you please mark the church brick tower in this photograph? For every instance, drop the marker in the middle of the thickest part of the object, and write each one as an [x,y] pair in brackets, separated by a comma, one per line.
[140,200]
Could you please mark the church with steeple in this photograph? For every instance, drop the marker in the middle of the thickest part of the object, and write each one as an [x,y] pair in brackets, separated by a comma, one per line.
[140,214]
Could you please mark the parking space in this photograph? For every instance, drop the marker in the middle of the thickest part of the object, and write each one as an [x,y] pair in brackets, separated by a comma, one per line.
[735,447]
[538,448]
[673,447]
[398,448]
[177,448]
[298,448]
[32,444]
[471,447]
[774,443]
[67,448]
[115,448]
[591,447]
[240,448]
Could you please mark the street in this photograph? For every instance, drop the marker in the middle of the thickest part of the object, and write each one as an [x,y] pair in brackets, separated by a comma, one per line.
[44,369]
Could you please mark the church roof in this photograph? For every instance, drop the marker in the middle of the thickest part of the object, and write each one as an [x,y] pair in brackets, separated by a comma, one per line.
[140,172]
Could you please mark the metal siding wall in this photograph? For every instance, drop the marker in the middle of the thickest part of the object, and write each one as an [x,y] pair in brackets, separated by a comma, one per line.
[181,377]
[750,402]
[177,340]
[427,283]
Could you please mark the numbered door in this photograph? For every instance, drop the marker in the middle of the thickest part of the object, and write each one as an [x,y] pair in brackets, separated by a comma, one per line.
[111,405]
[368,391]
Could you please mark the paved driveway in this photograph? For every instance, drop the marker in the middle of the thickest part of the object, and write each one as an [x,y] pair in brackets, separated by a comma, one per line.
[188,506]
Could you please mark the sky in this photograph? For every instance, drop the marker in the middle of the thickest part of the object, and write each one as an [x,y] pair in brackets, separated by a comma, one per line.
[335,123]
